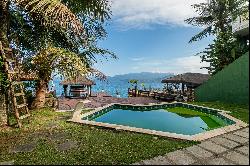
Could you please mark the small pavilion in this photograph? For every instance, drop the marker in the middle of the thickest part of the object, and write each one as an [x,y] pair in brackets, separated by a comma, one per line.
[188,80]
[79,87]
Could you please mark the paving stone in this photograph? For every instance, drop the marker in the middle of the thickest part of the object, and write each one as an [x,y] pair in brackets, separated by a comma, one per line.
[7,162]
[209,145]
[218,161]
[136,163]
[181,158]
[57,136]
[224,142]
[199,152]
[244,150]
[242,134]
[161,161]
[245,130]
[23,148]
[236,138]
[34,137]
[67,145]
[156,161]
[237,157]
[147,162]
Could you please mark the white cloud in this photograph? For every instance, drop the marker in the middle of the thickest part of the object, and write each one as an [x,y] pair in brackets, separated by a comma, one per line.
[145,13]
[137,59]
[177,66]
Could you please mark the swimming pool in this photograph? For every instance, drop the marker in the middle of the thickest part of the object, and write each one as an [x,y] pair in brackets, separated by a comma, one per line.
[177,120]
[162,120]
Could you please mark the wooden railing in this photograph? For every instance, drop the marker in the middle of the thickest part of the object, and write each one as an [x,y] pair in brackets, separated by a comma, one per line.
[165,96]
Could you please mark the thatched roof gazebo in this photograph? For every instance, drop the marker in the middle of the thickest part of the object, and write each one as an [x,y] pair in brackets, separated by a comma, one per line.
[192,79]
[78,81]
[78,86]
[188,80]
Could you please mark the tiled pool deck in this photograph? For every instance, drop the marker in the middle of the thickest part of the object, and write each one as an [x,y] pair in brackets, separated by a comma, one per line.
[78,118]
[227,149]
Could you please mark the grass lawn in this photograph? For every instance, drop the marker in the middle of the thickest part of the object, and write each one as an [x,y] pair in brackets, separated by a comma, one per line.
[45,135]
[238,111]
[185,111]
[211,121]
[46,131]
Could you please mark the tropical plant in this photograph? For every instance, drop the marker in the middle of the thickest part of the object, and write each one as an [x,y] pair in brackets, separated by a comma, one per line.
[224,50]
[133,82]
[52,61]
[217,17]
[143,86]
[40,30]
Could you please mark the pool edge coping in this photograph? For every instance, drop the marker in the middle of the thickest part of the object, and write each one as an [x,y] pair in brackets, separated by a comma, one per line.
[77,118]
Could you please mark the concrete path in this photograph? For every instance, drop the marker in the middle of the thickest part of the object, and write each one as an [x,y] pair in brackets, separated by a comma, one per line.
[227,149]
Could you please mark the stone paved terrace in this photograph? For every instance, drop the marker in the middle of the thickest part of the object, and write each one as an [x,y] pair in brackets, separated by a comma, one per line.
[100,101]
[228,149]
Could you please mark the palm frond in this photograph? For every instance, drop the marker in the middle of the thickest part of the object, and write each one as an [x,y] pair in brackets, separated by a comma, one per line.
[96,73]
[97,9]
[91,53]
[202,34]
[54,14]
[67,63]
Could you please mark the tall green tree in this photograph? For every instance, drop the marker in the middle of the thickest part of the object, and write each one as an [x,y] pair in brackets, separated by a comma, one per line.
[224,50]
[38,29]
[217,16]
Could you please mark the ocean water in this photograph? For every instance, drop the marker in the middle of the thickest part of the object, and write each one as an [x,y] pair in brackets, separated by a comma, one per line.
[111,86]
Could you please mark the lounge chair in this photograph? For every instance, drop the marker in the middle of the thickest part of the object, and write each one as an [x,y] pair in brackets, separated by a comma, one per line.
[77,111]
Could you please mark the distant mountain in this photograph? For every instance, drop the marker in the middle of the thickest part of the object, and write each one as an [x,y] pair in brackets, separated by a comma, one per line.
[145,77]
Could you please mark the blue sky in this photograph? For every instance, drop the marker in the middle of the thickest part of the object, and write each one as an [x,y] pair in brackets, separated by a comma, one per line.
[151,36]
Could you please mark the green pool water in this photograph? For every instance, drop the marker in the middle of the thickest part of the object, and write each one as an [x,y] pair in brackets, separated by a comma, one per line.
[174,120]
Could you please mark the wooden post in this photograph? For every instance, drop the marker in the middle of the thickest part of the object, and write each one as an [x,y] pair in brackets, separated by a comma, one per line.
[182,88]
[90,90]
[135,90]
[65,90]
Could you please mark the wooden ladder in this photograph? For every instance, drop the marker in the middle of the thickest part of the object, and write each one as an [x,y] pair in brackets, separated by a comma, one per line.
[16,89]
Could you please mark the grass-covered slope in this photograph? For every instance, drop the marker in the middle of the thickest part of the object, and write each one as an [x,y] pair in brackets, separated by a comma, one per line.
[48,130]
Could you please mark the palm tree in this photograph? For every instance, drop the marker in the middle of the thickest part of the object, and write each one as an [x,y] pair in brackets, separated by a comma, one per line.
[216,16]
[39,28]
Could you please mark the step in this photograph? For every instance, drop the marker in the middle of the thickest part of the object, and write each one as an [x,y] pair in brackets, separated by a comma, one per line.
[21,106]
[19,94]
[24,116]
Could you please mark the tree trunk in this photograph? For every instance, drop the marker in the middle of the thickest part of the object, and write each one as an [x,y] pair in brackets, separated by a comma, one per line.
[4,19]
[3,111]
[4,27]
[40,94]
